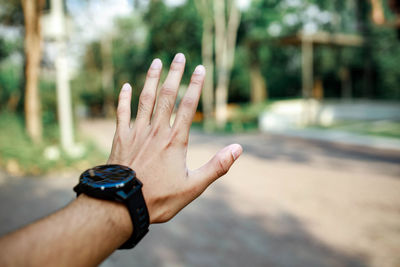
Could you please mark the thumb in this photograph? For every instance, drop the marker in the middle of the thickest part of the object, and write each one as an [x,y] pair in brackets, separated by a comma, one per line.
[218,165]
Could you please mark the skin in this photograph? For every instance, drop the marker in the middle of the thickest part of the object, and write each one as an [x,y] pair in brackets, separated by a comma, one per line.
[88,230]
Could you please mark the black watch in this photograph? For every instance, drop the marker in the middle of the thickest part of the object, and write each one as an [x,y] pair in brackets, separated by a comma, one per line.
[118,183]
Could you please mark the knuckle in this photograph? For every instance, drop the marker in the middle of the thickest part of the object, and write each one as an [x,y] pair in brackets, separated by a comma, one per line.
[168,90]
[143,108]
[175,66]
[196,80]
[146,98]
[222,166]
[188,102]
[155,130]
[123,96]
[186,119]
[153,74]
[173,139]
[166,106]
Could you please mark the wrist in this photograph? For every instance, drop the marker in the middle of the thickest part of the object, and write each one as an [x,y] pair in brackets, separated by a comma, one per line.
[115,215]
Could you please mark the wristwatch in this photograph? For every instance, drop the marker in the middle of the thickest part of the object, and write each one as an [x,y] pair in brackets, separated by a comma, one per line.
[118,183]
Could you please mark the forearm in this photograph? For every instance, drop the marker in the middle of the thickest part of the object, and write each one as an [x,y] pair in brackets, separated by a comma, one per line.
[82,234]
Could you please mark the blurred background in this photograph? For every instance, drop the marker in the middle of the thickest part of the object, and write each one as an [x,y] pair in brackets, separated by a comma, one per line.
[310,88]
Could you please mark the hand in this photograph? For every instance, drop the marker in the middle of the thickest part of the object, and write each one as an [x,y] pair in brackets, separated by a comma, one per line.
[157,151]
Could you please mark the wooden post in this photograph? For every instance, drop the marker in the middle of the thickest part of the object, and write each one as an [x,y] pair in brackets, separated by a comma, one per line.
[307,77]
[258,92]
[307,67]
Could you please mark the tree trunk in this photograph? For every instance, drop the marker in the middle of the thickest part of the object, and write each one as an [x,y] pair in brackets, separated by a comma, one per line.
[33,53]
[107,75]
[225,42]
[207,58]
[258,85]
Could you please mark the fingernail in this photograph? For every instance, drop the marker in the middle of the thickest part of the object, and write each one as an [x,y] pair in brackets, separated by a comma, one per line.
[199,70]
[126,87]
[156,64]
[179,58]
[236,151]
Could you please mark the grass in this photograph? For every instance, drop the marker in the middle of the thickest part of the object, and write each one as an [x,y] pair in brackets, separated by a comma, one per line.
[19,156]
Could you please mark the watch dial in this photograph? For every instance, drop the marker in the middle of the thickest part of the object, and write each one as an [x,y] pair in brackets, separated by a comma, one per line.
[108,175]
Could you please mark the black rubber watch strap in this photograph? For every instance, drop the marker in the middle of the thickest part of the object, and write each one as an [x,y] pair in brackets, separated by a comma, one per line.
[140,219]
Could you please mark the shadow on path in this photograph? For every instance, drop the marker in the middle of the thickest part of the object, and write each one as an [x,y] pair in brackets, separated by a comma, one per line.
[211,233]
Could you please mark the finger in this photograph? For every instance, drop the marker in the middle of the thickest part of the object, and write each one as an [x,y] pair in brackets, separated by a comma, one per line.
[188,105]
[169,90]
[148,96]
[216,167]
[124,106]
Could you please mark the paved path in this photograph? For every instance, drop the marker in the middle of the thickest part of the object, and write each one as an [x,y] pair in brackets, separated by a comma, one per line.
[286,202]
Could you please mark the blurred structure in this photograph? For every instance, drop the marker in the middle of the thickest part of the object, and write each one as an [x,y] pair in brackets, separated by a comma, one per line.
[307,43]
[55,30]
[311,87]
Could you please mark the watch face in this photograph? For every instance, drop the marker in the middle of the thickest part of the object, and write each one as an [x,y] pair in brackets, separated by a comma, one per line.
[107,176]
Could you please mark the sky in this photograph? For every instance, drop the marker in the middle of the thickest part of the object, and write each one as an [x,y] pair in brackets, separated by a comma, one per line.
[94,18]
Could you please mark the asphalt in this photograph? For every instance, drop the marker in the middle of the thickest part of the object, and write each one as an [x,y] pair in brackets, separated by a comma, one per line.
[286,202]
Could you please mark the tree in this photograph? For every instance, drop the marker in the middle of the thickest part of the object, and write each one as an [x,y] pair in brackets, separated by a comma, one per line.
[107,74]
[33,38]
[226,26]
[207,52]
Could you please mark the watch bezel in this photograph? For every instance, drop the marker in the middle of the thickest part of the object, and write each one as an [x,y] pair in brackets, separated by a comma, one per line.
[91,183]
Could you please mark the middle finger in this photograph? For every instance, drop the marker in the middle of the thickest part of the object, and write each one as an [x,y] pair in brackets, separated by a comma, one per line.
[169,90]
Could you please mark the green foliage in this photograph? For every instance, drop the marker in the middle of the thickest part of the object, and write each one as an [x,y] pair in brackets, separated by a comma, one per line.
[10,81]
[386,54]
[48,97]
[161,31]
[239,90]
[11,12]
[173,30]
[20,156]
[137,40]
[11,70]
